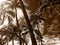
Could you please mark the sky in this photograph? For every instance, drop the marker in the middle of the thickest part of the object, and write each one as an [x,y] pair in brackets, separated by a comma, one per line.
[2,1]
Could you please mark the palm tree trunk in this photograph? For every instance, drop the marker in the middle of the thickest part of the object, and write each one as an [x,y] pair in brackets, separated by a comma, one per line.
[20,42]
[28,24]
[38,30]
[41,42]
[9,20]
[12,39]
[41,36]
[7,40]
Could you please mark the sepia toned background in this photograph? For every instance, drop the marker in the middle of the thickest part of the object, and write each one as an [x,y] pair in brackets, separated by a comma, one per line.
[29,22]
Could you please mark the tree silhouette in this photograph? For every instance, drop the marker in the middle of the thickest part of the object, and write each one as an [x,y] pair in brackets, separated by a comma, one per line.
[14,4]
[47,11]
[28,23]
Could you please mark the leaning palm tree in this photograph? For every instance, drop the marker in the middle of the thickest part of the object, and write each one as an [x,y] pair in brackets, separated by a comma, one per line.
[28,23]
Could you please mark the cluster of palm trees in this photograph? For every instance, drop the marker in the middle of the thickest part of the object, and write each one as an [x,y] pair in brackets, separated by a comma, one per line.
[13,32]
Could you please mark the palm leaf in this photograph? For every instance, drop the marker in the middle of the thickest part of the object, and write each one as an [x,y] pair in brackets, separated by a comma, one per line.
[38,33]
[43,6]
[9,19]
[3,19]
[25,33]
[11,13]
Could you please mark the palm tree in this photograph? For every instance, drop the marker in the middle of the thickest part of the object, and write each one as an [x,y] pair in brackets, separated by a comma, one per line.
[35,20]
[49,3]
[9,32]
[28,23]
[12,33]
[14,4]
[4,33]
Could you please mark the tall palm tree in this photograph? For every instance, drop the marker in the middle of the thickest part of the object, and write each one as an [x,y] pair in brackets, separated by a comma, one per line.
[28,23]
[35,20]
[14,4]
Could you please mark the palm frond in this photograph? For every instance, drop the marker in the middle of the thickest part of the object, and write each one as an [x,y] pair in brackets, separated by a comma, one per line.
[11,13]
[43,6]
[38,33]
[3,19]
[56,9]
[25,33]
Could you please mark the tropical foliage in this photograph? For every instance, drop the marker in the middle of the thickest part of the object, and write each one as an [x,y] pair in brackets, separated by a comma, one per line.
[42,12]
